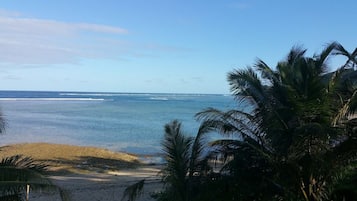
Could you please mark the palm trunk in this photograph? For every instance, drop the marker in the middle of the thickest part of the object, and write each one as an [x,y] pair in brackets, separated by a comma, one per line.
[27,192]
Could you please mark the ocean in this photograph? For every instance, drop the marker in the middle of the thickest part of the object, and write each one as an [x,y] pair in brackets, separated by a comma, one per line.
[128,122]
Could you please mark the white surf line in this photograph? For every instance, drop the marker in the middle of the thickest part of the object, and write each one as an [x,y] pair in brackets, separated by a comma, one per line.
[52,99]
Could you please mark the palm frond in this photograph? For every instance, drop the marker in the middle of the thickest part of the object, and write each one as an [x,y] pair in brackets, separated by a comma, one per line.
[353,103]
[348,108]
[246,85]
[344,184]
[296,53]
[17,172]
[266,71]
[176,148]
[233,146]
[19,161]
[197,155]
[321,58]
[133,191]
[232,122]
[351,57]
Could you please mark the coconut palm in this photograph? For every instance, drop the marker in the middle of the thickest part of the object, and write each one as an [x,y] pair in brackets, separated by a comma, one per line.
[176,147]
[287,144]
[291,138]
[186,165]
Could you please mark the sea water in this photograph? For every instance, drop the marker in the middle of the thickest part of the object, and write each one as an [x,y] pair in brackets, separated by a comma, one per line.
[129,122]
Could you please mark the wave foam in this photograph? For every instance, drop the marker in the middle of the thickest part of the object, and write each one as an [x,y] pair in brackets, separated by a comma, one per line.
[88,94]
[159,98]
[52,99]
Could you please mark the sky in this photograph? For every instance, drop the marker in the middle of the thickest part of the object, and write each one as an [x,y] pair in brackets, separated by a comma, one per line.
[158,46]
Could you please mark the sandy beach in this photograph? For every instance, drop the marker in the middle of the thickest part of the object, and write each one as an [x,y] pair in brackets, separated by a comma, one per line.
[88,173]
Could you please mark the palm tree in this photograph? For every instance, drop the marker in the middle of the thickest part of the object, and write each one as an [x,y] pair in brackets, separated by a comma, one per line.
[186,164]
[287,144]
[290,139]
[176,147]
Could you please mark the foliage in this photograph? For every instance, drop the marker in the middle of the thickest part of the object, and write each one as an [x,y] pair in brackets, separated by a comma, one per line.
[298,135]
[182,155]
[184,173]
[133,191]
[293,136]
[16,173]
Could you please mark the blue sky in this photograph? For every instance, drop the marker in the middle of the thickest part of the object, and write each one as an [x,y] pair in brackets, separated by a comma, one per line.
[158,45]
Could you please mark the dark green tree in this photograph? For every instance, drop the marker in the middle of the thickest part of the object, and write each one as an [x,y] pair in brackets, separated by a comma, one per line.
[296,134]
[186,163]
[293,136]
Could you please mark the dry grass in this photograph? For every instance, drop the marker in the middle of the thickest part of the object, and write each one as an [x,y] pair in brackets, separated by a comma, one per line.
[71,159]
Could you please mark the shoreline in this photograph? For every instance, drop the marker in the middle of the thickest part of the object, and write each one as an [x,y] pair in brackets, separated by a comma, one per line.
[62,158]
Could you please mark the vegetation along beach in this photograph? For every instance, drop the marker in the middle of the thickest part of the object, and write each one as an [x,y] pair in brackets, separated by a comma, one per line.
[229,100]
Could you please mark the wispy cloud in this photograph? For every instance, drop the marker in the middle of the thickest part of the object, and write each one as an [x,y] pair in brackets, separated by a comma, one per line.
[26,41]
[9,13]
[31,25]
[100,28]
[10,77]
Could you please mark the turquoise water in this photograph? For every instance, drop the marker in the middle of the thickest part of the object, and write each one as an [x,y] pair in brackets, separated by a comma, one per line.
[129,122]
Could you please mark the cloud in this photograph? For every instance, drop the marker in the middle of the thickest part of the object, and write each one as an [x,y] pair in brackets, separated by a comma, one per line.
[100,28]
[31,42]
[9,13]
[27,41]
[32,25]
[10,77]
[198,79]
